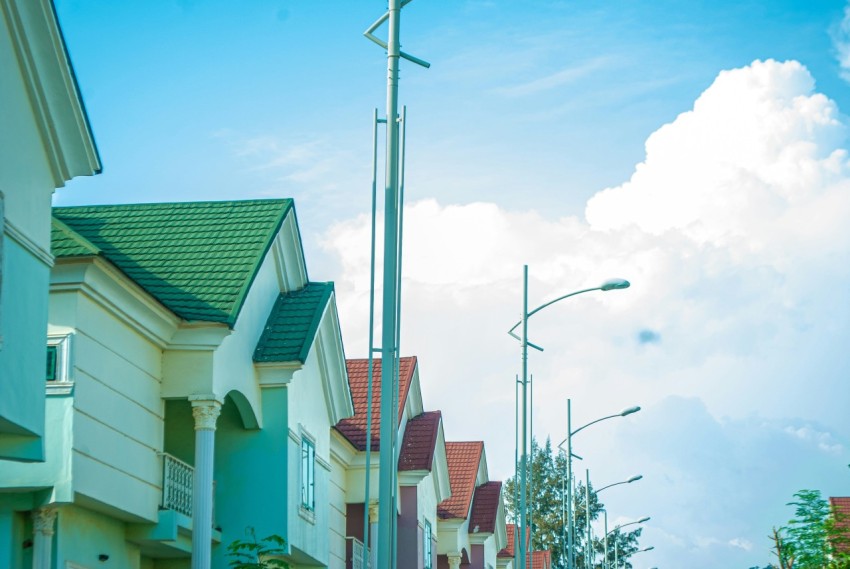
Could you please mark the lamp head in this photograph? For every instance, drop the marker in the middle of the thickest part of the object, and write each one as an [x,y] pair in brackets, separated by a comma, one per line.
[629,411]
[634,478]
[650,548]
[615,284]
[642,520]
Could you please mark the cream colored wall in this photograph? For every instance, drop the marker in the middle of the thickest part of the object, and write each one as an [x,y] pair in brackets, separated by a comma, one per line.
[426,495]
[308,414]
[336,514]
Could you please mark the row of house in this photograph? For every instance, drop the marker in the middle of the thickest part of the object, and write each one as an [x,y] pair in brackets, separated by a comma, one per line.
[195,391]
[197,388]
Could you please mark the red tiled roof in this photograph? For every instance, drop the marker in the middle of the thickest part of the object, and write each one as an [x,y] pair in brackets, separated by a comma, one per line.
[420,441]
[354,428]
[485,507]
[535,560]
[463,459]
[508,551]
[841,514]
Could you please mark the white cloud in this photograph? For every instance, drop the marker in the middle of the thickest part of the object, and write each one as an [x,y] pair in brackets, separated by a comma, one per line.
[559,78]
[841,42]
[733,232]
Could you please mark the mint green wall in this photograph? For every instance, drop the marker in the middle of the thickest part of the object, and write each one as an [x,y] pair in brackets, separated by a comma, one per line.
[55,472]
[251,473]
[82,535]
[23,326]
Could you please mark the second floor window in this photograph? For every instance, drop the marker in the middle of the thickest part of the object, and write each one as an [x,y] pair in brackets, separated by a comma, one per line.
[426,546]
[308,474]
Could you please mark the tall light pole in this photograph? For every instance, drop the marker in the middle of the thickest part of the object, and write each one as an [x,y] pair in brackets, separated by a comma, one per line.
[612,284]
[569,440]
[391,304]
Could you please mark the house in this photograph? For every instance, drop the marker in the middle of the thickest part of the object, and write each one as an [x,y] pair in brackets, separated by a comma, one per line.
[423,478]
[471,524]
[197,374]
[534,560]
[840,537]
[45,141]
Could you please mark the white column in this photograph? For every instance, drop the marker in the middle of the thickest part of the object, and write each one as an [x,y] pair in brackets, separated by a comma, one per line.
[454,560]
[205,409]
[373,535]
[42,522]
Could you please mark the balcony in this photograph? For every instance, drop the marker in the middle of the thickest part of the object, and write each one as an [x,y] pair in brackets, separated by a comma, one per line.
[171,536]
[178,478]
[355,552]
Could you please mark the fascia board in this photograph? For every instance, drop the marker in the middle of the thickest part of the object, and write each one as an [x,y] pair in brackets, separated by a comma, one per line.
[331,358]
[440,467]
[52,89]
[111,289]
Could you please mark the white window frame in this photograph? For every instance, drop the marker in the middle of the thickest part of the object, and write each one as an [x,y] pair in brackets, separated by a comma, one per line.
[64,382]
[427,546]
[308,473]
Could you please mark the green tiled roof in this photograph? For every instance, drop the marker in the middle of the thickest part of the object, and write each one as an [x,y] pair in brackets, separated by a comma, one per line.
[197,258]
[292,324]
[65,242]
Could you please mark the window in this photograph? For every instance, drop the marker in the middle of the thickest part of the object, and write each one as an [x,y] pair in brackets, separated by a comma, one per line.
[426,546]
[52,358]
[308,474]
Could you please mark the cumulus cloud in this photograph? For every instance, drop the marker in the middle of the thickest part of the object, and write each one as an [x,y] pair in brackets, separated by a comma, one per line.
[841,42]
[733,233]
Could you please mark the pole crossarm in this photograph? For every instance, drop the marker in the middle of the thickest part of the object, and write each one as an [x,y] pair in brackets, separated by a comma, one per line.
[375,39]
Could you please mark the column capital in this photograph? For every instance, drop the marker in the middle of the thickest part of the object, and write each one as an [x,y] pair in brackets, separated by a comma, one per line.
[43,519]
[205,409]
[454,560]
[373,513]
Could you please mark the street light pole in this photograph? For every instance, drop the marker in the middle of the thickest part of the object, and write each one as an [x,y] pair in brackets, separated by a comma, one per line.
[605,514]
[611,284]
[571,560]
[588,551]
[616,543]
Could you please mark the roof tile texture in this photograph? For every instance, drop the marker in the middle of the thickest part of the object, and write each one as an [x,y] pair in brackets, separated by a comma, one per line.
[841,512]
[420,441]
[354,428]
[463,459]
[485,507]
[537,559]
[197,258]
[293,322]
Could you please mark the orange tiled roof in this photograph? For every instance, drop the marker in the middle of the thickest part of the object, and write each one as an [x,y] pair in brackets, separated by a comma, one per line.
[354,428]
[485,507]
[463,459]
[420,441]
[508,551]
[841,512]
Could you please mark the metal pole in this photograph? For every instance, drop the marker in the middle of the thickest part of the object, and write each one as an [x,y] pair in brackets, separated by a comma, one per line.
[563,517]
[605,559]
[516,464]
[389,325]
[368,482]
[570,552]
[588,549]
[524,458]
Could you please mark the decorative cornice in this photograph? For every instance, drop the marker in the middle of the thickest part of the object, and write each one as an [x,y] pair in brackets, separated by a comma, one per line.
[16,234]
[205,410]
[42,521]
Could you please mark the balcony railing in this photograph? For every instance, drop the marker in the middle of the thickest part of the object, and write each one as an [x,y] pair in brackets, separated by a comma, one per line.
[177,481]
[356,551]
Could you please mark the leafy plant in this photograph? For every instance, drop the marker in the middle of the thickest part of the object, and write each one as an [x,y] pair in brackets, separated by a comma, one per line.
[257,554]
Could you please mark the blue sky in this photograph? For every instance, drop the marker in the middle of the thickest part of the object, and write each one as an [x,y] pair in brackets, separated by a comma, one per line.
[698,149]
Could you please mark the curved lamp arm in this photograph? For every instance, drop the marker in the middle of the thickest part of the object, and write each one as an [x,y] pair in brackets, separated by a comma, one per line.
[610,284]
[629,481]
[640,521]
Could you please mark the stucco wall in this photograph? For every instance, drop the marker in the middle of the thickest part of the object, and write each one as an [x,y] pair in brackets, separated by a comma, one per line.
[336,519]
[118,418]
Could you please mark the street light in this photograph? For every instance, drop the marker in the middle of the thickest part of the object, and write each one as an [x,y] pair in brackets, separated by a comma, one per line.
[629,481]
[611,284]
[569,440]
[616,548]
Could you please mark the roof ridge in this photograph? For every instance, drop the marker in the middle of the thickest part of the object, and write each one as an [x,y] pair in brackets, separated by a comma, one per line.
[171,204]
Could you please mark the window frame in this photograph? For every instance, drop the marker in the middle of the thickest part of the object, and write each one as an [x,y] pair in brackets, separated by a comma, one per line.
[427,546]
[308,473]
[63,381]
